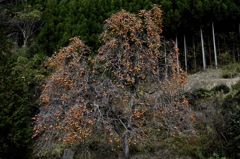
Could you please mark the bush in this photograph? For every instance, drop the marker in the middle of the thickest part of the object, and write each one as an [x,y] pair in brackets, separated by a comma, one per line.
[200,93]
[236,86]
[216,156]
[231,70]
[225,58]
[228,74]
[221,88]
[231,111]
[197,94]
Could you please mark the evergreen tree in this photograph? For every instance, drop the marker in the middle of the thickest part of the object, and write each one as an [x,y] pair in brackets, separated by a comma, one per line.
[18,93]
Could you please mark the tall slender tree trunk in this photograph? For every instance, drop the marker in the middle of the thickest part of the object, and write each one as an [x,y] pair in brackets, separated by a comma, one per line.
[194,56]
[177,55]
[203,51]
[185,53]
[214,46]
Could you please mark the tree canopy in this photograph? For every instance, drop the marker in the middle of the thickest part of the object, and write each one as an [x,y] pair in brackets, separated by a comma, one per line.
[79,101]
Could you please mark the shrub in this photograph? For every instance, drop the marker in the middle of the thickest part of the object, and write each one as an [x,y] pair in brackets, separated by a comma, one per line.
[225,58]
[231,111]
[228,74]
[236,86]
[231,70]
[200,93]
[221,88]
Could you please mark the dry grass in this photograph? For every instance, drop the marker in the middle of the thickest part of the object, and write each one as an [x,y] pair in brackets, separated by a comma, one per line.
[208,79]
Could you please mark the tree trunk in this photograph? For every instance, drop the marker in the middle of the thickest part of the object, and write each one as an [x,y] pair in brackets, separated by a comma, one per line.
[125,145]
[25,39]
[203,51]
[194,56]
[185,53]
[68,154]
[24,43]
[177,55]
[214,46]
[128,127]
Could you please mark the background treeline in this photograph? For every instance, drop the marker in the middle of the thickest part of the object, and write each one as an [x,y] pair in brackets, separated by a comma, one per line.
[31,30]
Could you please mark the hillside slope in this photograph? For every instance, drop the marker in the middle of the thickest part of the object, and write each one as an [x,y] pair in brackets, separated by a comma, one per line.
[208,79]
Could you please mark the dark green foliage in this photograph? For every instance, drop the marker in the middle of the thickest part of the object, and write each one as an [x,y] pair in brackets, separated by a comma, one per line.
[198,93]
[66,19]
[225,58]
[18,93]
[221,88]
[231,71]
[231,111]
[229,75]
[236,86]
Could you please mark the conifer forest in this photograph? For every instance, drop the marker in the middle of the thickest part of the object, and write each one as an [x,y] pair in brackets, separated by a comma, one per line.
[119,79]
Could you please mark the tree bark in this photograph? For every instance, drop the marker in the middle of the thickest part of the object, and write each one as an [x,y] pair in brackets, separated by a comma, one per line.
[185,53]
[25,41]
[129,126]
[203,51]
[125,145]
[177,55]
[214,46]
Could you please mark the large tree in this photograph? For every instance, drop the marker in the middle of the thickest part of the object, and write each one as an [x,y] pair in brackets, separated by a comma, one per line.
[21,19]
[132,80]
